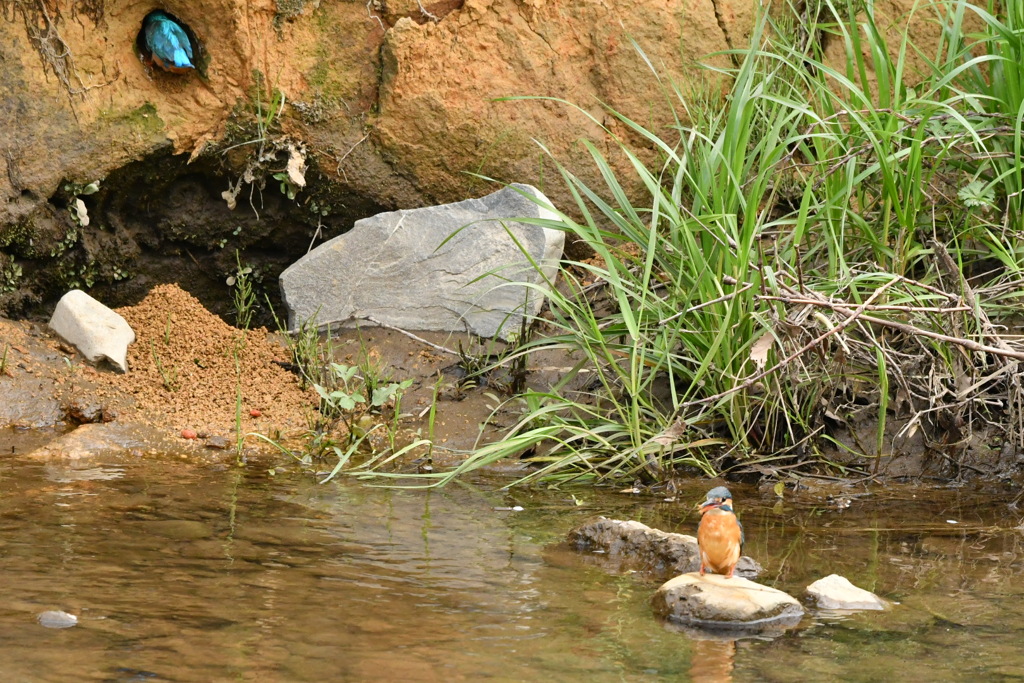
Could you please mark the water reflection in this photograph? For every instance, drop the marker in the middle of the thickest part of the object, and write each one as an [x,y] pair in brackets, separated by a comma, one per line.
[177,573]
[713,660]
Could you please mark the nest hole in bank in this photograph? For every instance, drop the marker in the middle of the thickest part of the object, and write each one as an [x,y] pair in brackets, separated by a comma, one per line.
[169,45]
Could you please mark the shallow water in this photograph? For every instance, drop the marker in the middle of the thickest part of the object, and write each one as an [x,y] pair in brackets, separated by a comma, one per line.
[195,574]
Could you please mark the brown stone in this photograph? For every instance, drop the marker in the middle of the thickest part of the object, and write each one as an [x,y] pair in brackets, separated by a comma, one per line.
[631,545]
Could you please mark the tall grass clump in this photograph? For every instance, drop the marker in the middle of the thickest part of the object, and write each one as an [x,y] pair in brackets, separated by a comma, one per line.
[828,248]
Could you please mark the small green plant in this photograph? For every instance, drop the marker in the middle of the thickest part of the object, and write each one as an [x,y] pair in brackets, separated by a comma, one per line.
[239,435]
[267,113]
[288,188]
[243,294]
[351,394]
[313,353]
[431,425]
[10,275]
[347,393]
[343,399]
[77,209]
[168,375]
[3,360]
[389,393]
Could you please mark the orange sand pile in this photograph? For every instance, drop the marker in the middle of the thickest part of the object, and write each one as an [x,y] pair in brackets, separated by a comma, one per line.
[198,353]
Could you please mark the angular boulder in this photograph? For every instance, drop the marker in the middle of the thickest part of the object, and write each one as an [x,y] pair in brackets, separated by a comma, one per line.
[456,267]
[92,328]
[715,602]
[632,545]
[836,592]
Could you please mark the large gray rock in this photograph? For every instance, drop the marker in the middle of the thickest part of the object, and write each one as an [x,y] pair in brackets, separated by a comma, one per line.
[454,267]
[92,328]
[715,602]
[836,592]
[632,545]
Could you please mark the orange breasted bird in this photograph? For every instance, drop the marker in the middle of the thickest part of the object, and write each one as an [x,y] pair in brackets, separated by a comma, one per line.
[719,534]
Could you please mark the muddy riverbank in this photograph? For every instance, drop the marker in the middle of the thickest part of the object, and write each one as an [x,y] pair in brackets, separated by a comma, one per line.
[192,373]
[189,371]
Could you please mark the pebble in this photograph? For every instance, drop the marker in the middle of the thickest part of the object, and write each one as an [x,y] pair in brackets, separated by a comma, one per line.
[56,619]
[188,433]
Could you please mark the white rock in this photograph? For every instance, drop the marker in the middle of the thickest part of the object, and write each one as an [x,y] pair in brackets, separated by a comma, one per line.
[92,328]
[56,619]
[428,269]
[836,592]
[713,601]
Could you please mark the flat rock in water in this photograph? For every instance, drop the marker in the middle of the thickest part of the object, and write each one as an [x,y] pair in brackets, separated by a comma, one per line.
[100,439]
[92,328]
[836,592]
[716,602]
[638,546]
[454,267]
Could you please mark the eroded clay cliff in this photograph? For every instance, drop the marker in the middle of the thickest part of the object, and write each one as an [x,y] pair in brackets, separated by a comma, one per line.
[380,105]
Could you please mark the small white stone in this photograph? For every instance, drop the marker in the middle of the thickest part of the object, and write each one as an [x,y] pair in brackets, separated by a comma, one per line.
[836,592]
[56,619]
[92,328]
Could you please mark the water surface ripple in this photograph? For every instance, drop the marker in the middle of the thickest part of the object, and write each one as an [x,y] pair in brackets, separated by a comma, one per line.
[184,574]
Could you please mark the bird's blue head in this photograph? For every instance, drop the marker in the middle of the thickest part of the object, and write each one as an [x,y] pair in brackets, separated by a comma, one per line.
[719,493]
[717,497]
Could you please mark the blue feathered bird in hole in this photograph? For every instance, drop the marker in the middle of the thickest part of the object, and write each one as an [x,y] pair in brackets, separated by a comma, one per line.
[168,43]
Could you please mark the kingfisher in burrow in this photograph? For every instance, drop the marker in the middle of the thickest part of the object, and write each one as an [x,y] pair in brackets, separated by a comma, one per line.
[719,534]
[168,43]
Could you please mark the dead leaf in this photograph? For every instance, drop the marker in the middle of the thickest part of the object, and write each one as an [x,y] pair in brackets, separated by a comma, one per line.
[759,351]
[296,166]
[81,213]
[672,434]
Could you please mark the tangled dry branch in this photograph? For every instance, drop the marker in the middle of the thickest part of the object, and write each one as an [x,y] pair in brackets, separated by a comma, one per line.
[943,393]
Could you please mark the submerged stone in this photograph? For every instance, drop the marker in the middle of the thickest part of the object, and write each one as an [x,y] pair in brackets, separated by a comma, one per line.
[101,439]
[638,546]
[456,267]
[836,592]
[92,328]
[717,602]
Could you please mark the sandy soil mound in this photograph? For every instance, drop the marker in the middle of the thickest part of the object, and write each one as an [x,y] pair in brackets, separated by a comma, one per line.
[187,365]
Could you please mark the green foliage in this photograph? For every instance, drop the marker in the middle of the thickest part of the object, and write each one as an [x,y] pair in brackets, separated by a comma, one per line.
[10,274]
[741,251]
[345,397]
[345,392]
[242,293]
[168,375]
[285,184]
[357,395]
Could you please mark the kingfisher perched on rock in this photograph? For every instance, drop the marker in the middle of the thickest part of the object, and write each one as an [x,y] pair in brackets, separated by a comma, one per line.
[168,43]
[719,534]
